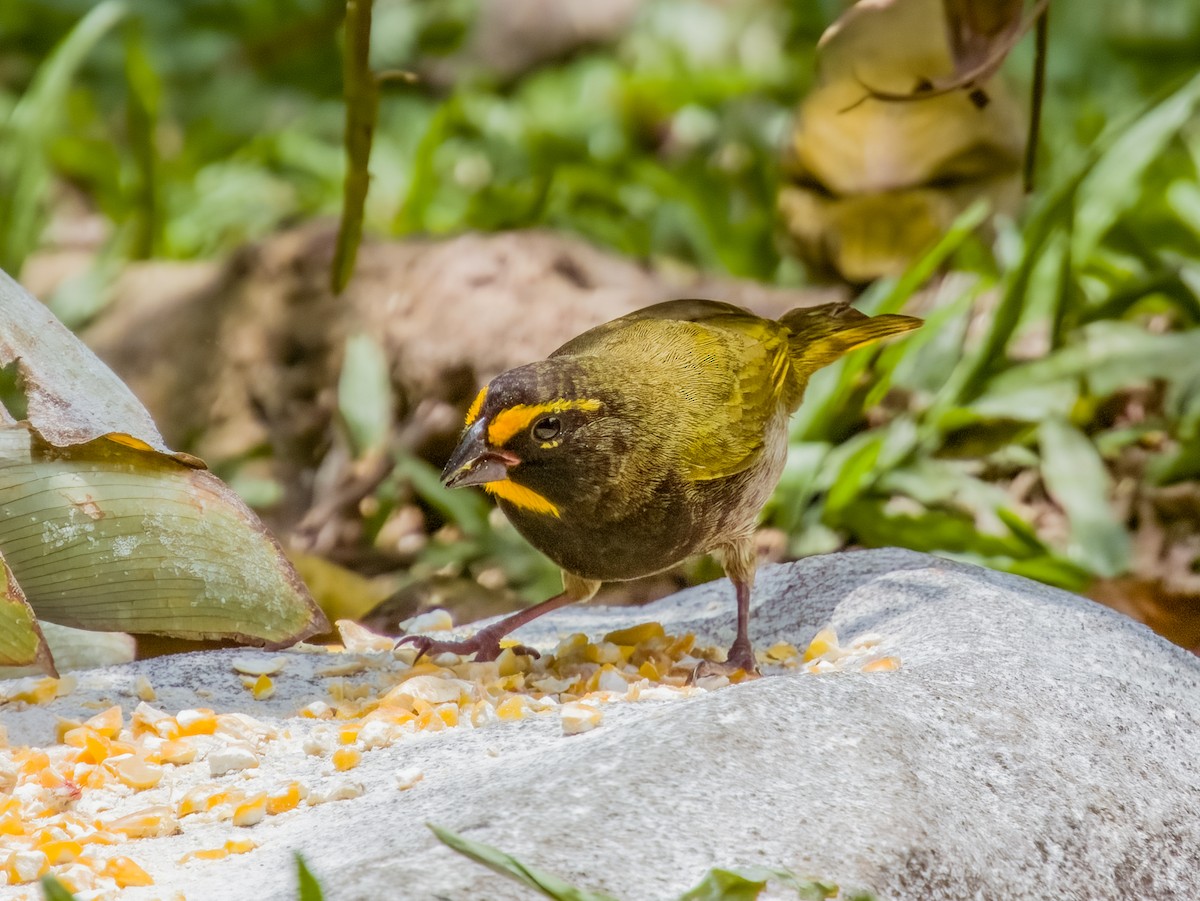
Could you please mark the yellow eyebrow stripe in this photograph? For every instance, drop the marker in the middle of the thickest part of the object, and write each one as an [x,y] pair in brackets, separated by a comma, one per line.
[476,406]
[519,417]
[520,496]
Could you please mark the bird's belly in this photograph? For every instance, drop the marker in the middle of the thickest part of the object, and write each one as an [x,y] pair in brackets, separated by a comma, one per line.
[614,549]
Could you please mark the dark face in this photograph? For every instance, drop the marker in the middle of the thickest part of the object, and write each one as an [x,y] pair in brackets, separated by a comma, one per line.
[541,438]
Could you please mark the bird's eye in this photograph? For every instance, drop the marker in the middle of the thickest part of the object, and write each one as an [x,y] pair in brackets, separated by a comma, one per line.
[547,428]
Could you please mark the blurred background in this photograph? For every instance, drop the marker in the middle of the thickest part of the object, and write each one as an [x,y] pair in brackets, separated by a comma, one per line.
[171,177]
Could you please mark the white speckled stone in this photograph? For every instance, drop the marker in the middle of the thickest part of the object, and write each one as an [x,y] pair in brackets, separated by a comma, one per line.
[1034,745]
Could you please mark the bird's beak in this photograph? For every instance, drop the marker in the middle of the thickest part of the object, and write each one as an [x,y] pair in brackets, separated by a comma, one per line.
[474,463]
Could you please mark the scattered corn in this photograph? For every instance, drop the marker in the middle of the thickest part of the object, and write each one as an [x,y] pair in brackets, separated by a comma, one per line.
[251,811]
[125,873]
[346,759]
[43,829]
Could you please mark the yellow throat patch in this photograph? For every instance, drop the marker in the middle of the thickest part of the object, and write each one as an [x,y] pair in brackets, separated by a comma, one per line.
[520,496]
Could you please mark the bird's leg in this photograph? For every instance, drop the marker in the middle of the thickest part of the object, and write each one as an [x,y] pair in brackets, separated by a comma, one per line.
[485,644]
[740,560]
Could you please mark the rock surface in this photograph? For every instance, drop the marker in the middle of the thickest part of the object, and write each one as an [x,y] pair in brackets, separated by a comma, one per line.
[1033,744]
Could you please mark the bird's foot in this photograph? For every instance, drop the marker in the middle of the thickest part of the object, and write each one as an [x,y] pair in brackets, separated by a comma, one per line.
[733,669]
[741,656]
[483,644]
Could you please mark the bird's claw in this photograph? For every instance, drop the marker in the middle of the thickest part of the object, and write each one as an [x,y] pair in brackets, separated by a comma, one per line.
[485,647]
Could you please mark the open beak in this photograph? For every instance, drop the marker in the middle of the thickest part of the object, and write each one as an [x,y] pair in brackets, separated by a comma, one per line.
[474,463]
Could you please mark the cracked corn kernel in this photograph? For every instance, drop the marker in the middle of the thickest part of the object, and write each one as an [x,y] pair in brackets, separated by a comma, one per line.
[177,753]
[151,822]
[26,866]
[125,873]
[578,717]
[263,688]
[143,689]
[882,665]
[198,721]
[287,800]
[233,846]
[635,635]
[59,851]
[782,651]
[346,758]
[251,811]
[136,772]
[107,723]
[511,708]
[823,643]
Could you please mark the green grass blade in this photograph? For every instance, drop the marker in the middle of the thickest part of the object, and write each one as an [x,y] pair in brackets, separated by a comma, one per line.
[1077,480]
[53,890]
[507,865]
[310,889]
[24,172]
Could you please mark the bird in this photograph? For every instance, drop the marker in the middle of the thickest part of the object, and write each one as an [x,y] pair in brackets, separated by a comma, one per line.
[646,440]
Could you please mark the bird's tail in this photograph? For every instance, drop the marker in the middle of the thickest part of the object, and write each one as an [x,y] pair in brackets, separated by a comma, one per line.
[819,335]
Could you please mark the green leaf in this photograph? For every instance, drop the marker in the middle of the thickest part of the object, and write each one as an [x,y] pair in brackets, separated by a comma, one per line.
[310,889]
[725,885]
[746,883]
[24,173]
[53,890]
[1112,187]
[21,640]
[364,392]
[506,865]
[108,537]
[1078,482]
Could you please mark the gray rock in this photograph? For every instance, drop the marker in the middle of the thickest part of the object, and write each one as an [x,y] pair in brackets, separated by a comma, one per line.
[1033,745]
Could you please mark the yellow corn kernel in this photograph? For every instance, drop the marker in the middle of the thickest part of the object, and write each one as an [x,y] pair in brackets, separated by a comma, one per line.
[346,758]
[510,663]
[604,652]
[511,708]
[233,846]
[882,665]
[143,689]
[99,837]
[782,651]
[25,866]
[150,822]
[63,728]
[177,752]
[137,772]
[11,824]
[60,851]
[125,873]
[194,801]
[649,671]
[447,713]
[635,635]
[289,799]
[348,735]
[251,811]
[263,688]
[108,722]
[40,692]
[823,642]
[680,645]
[199,721]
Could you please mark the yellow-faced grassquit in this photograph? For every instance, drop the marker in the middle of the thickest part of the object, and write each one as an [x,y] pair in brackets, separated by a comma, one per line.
[646,440]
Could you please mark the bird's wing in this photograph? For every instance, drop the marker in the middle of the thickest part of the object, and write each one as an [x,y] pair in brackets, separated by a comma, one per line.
[719,369]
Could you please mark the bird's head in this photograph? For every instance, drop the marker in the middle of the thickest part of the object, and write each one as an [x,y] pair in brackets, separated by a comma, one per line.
[542,437]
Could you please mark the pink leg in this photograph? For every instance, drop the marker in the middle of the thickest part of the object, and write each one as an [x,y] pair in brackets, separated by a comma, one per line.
[485,644]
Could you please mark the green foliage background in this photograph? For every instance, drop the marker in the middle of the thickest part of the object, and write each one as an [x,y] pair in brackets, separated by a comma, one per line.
[194,127]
